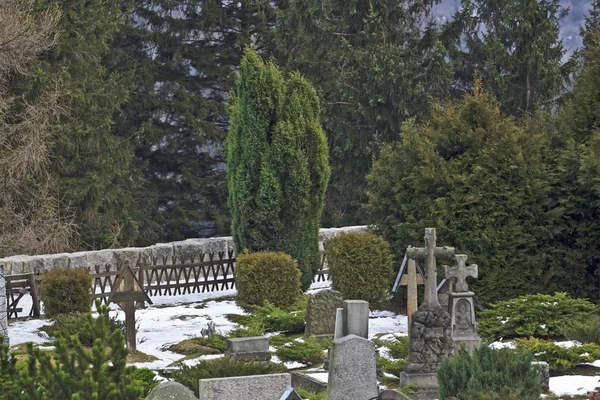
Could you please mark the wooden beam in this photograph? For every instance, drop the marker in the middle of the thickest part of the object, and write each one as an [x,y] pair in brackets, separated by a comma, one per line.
[404,281]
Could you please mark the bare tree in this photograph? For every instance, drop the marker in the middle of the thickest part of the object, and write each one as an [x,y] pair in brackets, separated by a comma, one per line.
[31,216]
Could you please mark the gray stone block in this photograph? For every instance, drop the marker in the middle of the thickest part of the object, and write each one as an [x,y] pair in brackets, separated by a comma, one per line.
[543,369]
[3,307]
[321,312]
[306,382]
[255,387]
[390,394]
[171,391]
[248,348]
[353,369]
[356,318]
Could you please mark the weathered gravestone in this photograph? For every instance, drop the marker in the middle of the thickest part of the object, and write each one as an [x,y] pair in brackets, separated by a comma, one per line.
[254,387]
[321,313]
[462,305]
[171,391]
[430,330]
[543,369]
[254,348]
[3,307]
[352,369]
[356,318]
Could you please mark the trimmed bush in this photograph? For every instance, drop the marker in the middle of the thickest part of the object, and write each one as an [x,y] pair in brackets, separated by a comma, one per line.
[221,368]
[273,319]
[267,277]
[586,331]
[559,358]
[360,265]
[537,315]
[489,374]
[66,291]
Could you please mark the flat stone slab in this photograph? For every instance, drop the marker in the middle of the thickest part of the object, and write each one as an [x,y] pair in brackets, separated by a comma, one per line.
[171,391]
[254,387]
[251,344]
[309,382]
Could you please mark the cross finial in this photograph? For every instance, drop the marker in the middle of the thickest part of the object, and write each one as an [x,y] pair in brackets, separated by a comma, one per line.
[460,272]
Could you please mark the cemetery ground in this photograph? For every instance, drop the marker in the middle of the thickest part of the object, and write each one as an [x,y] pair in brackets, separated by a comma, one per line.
[169,336]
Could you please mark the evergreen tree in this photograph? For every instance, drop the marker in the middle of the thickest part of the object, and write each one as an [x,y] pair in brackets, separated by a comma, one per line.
[479,178]
[373,68]
[186,55]
[93,165]
[515,46]
[277,164]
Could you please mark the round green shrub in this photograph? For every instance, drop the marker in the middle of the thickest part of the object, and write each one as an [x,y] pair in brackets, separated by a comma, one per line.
[66,291]
[489,374]
[360,265]
[267,277]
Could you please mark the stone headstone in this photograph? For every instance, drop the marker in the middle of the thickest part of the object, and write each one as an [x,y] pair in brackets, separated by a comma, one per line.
[353,369]
[321,312]
[461,304]
[3,307]
[543,369]
[255,348]
[356,318]
[339,324]
[171,391]
[254,387]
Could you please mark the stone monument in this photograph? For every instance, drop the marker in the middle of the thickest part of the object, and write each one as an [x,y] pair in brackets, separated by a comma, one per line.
[461,304]
[430,330]
[3,307]
[171,391]
[352,370]
[321,313]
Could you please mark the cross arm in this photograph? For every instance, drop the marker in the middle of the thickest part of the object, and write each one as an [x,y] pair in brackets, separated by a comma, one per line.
[419,253]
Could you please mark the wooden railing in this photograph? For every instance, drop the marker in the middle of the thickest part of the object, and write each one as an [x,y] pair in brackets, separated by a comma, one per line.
[160,276]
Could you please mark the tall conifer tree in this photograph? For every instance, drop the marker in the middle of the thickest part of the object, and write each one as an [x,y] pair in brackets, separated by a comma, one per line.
[277,164]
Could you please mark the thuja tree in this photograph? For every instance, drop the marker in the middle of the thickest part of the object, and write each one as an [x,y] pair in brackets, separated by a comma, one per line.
[477,176]
[277,164]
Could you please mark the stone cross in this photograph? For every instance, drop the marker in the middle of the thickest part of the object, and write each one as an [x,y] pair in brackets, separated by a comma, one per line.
[430,252]
[460,272]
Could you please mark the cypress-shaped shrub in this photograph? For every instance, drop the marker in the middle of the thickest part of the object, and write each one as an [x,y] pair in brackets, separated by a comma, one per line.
[277,164]
[489,374]
[66,291]
[267,277]
[360,265]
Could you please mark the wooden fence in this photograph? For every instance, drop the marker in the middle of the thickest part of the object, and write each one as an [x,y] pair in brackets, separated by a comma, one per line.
[160,276]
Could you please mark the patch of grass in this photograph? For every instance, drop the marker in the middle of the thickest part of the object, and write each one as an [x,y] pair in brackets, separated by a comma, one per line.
[192,347]
[308,351]
[269,318]
[184,317]
[220,368]
[139,357]
[310,396]
[281,339]
[394,367]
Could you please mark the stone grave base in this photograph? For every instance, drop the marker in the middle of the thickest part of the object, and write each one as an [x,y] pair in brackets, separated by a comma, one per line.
[426,384]
[307,382]
[469,344]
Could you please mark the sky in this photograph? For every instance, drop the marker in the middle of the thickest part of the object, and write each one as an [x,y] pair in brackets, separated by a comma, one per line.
[569,25]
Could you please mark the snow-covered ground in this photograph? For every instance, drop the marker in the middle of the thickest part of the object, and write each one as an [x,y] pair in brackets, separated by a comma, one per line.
[172,319]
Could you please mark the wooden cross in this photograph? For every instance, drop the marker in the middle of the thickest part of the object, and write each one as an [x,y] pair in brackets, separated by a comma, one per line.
[126,291]
[460,272]
[430,252]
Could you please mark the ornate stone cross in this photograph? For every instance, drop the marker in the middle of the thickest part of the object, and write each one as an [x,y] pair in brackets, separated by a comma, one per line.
[460,272]
[430,252]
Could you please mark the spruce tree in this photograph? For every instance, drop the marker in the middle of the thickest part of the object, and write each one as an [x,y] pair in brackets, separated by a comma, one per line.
[515,47]
[277,164]
[373,68]
[93,165]
[185,55]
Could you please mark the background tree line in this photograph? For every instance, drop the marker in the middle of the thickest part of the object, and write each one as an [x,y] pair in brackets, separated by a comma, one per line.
[135,98]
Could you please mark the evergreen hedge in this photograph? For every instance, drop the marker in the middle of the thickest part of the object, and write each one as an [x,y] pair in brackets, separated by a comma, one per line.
[277,164]
[267,277]
[360,265]
[66,291]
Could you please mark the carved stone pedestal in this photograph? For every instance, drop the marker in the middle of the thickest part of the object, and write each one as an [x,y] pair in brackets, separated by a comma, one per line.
[464,326]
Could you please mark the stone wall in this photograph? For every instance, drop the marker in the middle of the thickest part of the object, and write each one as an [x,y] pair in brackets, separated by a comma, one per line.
[39,264]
